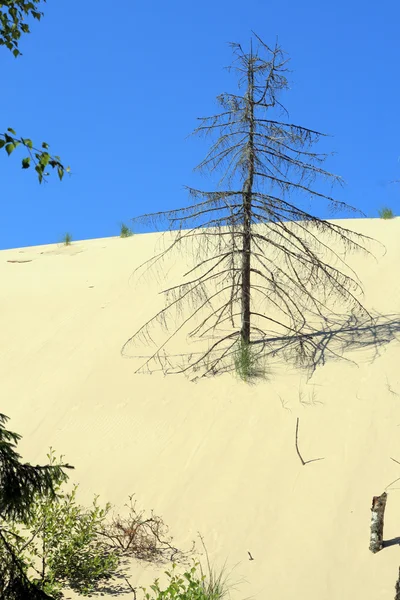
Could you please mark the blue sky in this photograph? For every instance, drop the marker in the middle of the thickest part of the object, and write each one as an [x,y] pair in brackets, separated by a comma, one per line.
[115,91]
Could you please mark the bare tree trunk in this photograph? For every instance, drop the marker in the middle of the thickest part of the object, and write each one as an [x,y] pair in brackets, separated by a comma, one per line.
[247,215]
[377,519]
[245,299]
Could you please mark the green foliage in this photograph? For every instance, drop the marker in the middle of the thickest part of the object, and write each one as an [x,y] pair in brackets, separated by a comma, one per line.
[20,485]
[386,213]
[48,541]
[67,239]
[21,482]
[67,543]
[12,21]
[193,584]
[125,231]
[61,543]
[12,25]
[40,158]
[246,361]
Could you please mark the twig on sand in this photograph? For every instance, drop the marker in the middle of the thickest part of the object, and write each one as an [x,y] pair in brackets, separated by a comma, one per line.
[390,389]
[133,590]
[303,462]
[377,520]
[395,480]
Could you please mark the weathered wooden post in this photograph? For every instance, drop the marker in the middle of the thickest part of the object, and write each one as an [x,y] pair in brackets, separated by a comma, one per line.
[377,518]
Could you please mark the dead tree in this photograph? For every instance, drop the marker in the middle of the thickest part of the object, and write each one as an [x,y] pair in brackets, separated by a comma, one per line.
[262,265]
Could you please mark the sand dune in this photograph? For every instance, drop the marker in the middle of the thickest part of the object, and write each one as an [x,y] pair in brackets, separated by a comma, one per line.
[217,456]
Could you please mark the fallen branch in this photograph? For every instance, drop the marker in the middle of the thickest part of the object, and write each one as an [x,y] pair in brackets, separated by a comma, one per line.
[377,519]
[303,462]
[19,261]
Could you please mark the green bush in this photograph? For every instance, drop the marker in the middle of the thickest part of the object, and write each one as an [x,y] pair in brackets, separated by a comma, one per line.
[62,546]
[193,584]
[125,231]
[386,213]
[20,485]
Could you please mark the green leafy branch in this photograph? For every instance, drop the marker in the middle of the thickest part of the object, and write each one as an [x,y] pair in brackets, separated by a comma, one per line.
[40,158]
[12,21]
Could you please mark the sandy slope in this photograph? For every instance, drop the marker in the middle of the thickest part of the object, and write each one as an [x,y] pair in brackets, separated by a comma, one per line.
[218,456]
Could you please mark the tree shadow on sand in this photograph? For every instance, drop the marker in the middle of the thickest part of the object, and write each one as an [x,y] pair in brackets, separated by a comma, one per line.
[393,542]
[334,340]
[117,584]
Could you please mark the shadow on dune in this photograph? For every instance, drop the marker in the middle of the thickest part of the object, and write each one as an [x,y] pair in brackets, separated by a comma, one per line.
[117,584]
[393,542]
[337,338]
[313,347]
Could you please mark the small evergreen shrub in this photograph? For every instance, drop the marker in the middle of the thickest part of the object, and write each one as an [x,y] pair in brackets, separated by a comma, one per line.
[125,231]
[67,239]
[386,213]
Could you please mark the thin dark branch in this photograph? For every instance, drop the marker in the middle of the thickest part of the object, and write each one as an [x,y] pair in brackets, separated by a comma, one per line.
[303,462]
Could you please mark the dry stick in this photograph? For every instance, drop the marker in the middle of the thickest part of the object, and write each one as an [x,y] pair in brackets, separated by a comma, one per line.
[398,478]
[133,589]
[303,462]
[377,518]
[392,482]
[297,442]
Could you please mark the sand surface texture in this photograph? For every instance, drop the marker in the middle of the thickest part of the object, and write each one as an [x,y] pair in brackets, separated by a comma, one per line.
[216,457]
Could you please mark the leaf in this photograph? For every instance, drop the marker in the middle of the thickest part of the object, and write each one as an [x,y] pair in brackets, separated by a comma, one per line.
[44,159]
[39,171]
[11,130]
[16,52]
[60,173]
[26,163]
[45,145]
[27,142]
[2,143]
[10,148]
